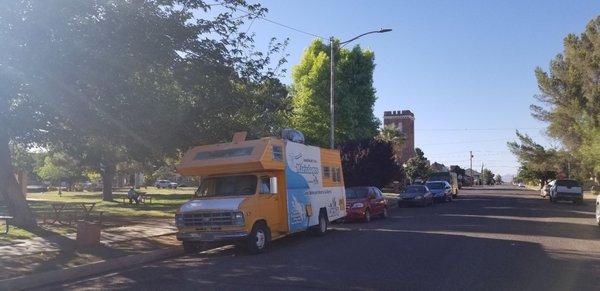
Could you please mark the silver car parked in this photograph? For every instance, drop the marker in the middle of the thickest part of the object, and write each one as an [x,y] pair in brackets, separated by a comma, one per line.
[545,192]
[598,210]
[568,190]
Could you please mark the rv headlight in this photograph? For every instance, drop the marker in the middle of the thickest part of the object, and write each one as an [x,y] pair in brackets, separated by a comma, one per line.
[358,205]
[238,218]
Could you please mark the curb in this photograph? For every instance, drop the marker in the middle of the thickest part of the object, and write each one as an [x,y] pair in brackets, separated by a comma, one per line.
[79,272]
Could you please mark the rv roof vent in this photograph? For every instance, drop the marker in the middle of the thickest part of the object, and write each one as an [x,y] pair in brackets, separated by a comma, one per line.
[292,135]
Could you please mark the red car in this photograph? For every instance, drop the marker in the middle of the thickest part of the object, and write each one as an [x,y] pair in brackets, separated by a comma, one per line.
[363,203]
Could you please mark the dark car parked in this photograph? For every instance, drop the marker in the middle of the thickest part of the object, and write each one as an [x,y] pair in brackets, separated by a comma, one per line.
[362,203]
[415,195]
[441,190]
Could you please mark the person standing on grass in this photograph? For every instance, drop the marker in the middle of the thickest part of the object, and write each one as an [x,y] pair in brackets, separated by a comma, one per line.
[133,196]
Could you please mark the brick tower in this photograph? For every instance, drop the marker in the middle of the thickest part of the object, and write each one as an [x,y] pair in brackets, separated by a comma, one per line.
[404,122]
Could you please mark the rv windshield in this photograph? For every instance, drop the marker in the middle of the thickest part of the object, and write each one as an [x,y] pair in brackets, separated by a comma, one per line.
[227,186]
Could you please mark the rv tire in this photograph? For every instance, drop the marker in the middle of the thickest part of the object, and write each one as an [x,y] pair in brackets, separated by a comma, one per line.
[259,238]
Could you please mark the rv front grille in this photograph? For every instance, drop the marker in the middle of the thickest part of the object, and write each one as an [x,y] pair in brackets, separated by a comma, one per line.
[208,219]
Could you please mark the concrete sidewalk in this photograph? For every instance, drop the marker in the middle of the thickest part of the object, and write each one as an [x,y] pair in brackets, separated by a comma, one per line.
[109,236]
[56,252]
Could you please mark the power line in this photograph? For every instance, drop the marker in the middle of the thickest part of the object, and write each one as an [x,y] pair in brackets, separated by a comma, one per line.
[478,129]
[462,155]
[470,141]
[271,21]
[289,27]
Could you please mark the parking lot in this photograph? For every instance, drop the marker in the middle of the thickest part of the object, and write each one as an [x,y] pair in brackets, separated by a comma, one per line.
[488,239]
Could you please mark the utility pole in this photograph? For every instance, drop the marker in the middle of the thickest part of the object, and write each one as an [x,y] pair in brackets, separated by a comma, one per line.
[481,175]
[332,79]
[331,94]
[471,161]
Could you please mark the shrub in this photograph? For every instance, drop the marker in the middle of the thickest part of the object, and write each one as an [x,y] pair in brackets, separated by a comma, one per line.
[369,162]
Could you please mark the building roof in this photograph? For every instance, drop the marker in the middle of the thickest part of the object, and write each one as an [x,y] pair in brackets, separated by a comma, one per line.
[398,113]
[472,173]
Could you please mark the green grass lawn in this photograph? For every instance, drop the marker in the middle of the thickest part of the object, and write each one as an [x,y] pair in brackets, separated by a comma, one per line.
[165,202]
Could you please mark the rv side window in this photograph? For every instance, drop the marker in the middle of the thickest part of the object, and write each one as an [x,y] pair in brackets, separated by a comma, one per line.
[277,155]
[265,187]
[336,175]
[327,172]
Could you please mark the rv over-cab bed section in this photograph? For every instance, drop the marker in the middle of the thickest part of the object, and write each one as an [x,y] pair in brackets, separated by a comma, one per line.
[264,154]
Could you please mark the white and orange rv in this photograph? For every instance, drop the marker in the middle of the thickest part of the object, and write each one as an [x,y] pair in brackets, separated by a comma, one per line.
[254,191]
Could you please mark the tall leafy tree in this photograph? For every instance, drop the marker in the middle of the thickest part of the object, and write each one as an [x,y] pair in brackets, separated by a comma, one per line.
[58,167]
[105,80]
[487,177]
[417,167]
[396,138]
[569,98]
[527,174]
[23,159]
[537,162]
[354,94]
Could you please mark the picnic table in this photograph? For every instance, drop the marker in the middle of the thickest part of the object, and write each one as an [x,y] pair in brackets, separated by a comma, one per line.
[6,221]
[72,211]
[143,197]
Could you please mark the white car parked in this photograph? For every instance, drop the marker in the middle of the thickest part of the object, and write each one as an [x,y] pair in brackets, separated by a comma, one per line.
[598,210]
[165,184]
[569,190]
[545,192]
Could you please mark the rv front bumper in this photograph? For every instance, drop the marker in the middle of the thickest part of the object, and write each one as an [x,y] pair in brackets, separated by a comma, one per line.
[211,236]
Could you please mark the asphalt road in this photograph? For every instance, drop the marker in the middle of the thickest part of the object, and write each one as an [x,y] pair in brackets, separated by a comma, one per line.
[497,238]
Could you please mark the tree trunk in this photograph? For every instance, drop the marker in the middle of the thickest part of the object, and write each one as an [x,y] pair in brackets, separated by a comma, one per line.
[108,174]
[11,191]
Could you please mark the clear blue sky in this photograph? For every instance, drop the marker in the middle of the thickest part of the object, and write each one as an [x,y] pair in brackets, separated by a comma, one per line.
[455,64]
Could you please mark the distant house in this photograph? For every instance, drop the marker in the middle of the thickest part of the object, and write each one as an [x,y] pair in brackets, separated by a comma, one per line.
[437,167]
[476,176]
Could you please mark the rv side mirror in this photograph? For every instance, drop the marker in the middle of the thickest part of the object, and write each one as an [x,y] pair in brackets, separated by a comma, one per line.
[273,185]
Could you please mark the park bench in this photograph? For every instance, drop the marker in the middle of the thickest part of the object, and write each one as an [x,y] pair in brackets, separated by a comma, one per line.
[7,220]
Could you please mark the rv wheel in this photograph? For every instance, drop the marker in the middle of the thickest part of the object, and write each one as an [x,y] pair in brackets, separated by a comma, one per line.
[259,238]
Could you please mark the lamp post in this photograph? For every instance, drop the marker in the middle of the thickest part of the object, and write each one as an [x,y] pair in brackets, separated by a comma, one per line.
[332,78]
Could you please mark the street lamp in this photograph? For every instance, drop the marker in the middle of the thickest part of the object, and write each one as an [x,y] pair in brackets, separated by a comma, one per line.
[332,78]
